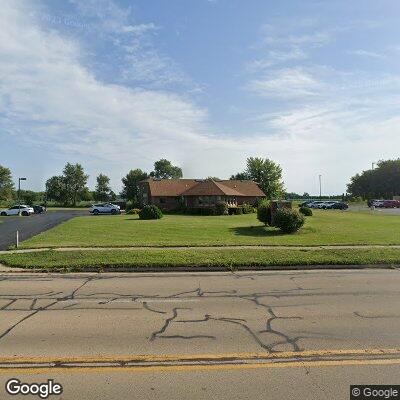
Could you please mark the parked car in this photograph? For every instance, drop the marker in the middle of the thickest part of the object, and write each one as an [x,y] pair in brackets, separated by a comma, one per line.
[14,210]
[327,205]
[377,203]
[391,204]
[38,209]
[316,204]
[339,205]
[306,203]
[104,208]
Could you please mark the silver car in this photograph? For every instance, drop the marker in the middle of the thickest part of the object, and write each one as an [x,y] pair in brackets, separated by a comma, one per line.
[104,208]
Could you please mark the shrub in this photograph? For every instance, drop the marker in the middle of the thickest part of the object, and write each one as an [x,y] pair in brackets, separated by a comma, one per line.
[288,221]
[264,213]
[133,211]
[306,211]
[247,208]
[238,210]
[221,208]
[132,204]
[150,212]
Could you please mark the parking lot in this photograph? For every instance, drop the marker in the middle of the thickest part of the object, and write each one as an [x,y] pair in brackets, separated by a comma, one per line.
[364,208]
[32,225]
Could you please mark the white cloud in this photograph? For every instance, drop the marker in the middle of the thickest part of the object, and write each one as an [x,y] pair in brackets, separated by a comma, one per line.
[274,57]
[366,53]
[139,29]
[285,83]
[51,100]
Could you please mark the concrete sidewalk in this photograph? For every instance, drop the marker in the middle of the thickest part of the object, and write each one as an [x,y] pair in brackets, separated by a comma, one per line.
[166,248]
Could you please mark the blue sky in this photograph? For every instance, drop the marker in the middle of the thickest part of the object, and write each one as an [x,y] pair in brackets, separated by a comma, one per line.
[115,85]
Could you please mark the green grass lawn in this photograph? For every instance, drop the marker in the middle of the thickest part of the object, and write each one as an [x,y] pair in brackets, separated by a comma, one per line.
[324,228]
[224,258]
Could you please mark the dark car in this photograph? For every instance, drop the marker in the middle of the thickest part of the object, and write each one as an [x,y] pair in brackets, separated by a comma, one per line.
[391,204]
[339,206]
[39,209]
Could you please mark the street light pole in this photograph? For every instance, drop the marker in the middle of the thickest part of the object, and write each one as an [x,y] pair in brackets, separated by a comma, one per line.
[19,190]
[320,186]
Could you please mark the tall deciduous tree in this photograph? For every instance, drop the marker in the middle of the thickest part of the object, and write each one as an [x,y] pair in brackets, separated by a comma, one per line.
[266,173]
[381,182]
[6,184]
[55,189]
[103,189]
[163,169]
[69,187]
[75,181]
[131,189]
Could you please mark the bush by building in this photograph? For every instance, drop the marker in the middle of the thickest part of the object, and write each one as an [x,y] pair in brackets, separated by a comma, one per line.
[288,221]
[306,211]
[133,211]
[247,208]
[221,208]
[264,213]
[150,212]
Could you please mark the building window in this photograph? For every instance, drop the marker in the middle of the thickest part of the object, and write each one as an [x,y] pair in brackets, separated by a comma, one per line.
[162,200]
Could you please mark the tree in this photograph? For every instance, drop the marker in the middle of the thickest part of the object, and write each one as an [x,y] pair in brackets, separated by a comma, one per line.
[74,182]
[240,176]
[381,182]
[68,188]
[266,173]
[113,196]
[29,196]
[6,184]
[103,189]
[86,195]
[163,169]
[131,189]
[55,189]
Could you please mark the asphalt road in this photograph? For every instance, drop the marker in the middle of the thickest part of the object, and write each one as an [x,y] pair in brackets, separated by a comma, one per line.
[265,335]
[32,225]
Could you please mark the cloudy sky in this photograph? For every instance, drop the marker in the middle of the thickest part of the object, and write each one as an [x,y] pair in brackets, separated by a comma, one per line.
[115,85]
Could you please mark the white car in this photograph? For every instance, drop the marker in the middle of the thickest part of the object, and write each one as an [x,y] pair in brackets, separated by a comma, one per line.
[327,204]
[14,210]
[104,208]
[316,204]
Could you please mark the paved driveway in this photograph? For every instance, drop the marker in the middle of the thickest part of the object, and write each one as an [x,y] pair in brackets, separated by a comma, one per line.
[30,226]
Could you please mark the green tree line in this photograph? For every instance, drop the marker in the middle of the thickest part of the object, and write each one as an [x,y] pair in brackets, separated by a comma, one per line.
[70,187]
[383,182]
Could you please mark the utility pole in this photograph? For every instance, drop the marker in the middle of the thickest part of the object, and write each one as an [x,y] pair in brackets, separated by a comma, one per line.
[373,165]
[19,197]
[320,186]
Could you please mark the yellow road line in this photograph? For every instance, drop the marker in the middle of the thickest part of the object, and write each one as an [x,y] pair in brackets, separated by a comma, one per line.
[199,357]
[199,367]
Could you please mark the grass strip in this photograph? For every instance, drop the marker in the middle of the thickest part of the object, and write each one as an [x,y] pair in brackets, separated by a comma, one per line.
[324,228]
[224,258]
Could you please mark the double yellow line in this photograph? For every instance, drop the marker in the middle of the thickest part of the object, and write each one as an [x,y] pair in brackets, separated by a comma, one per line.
[192,362]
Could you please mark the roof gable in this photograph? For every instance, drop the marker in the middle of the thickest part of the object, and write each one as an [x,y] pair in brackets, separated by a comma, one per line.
[193,187]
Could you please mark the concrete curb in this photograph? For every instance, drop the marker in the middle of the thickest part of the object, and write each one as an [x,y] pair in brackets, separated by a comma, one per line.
[184,268]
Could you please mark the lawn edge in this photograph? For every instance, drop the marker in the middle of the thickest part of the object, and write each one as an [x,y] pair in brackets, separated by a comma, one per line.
[4,268]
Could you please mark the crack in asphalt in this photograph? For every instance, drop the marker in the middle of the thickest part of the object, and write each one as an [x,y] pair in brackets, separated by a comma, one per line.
[356,313]
[268,323]
[167,322]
